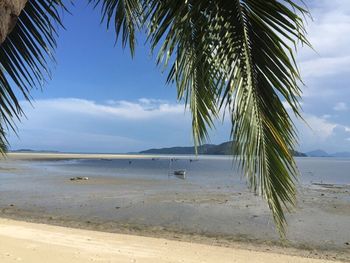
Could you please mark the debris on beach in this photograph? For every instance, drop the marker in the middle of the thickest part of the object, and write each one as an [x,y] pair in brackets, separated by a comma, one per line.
[79,178]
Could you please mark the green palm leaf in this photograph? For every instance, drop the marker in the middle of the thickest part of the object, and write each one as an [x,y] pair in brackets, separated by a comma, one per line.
[126,15]
[237,55]
[264,73]
[23,58]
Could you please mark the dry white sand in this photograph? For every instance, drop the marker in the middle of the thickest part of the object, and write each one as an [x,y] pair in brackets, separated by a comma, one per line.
[32,243]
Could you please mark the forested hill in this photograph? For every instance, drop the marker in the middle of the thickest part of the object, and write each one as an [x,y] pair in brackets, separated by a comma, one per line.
[213,149]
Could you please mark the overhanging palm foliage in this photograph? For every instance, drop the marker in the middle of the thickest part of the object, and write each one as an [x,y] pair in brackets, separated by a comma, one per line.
[23,58]
[230,56]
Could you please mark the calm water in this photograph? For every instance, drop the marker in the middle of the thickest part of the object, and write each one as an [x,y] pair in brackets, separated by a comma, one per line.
[203,170]
[206,170]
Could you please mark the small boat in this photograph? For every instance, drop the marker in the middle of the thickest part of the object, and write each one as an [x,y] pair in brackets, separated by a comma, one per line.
[79,178]
[180,174]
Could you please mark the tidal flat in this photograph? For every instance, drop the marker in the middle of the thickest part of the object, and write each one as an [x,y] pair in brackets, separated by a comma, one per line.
[139,195]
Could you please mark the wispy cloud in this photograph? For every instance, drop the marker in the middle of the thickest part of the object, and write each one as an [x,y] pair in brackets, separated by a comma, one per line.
[329,59]
[141,109]
[320,132]
[340,106]
[325,66]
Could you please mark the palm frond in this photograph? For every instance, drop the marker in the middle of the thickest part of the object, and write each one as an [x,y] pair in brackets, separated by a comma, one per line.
[236,55]
[177,29]
[24,58]
[264,73]
[126,15]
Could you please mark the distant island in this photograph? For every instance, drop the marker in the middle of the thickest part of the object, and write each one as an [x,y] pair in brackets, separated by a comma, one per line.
[221,149]
[210,149]
[322,153]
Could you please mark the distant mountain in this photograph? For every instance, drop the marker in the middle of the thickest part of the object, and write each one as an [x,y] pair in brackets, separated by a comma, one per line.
[221,149]
[321,153]
[212,149]
[317,153]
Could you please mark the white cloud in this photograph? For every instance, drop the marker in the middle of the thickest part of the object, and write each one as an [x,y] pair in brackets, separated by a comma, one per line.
[326,116]
[328,63]
[320,127]
[325,66]
[321,132]
[328,30]
[325,71]
[340,106]
[142,109]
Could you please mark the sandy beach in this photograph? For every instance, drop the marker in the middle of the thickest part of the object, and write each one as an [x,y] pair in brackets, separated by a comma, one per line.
[32,243]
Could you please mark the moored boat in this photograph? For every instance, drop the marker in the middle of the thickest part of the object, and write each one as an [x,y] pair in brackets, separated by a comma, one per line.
[180,174]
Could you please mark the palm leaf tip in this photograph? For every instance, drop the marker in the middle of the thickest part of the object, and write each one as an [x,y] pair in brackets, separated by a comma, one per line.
[126,15]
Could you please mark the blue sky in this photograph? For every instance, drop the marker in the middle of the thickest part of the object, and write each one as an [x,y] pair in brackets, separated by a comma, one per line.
[101,100]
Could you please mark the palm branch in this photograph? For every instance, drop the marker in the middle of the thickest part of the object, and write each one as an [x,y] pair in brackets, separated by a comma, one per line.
[235,56]
[24,57]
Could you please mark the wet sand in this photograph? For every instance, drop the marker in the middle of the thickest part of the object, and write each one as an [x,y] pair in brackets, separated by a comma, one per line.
[180,210]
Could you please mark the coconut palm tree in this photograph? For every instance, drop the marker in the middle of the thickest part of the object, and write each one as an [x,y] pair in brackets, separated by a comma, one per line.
[233,57]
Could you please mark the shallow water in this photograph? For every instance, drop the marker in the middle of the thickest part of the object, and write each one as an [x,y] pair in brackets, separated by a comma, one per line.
[208,172]
[324,170]
[204,171]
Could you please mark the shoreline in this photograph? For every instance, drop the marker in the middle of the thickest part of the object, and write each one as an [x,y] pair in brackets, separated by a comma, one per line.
[31,242]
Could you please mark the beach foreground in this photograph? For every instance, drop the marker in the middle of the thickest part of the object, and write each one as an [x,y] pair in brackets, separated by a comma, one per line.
[29,242]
